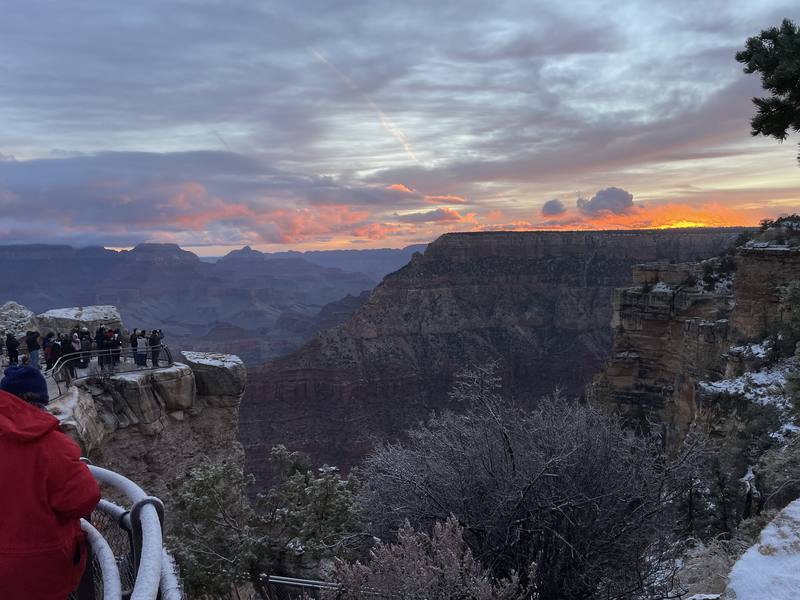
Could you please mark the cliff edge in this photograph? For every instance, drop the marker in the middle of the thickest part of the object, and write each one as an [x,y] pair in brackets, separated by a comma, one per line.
[153,426]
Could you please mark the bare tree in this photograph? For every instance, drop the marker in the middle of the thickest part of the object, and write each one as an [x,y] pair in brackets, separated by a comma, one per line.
[564,488]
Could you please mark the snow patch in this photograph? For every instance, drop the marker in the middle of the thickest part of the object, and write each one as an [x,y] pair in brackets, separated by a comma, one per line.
[83,313]
[771,567]
[213,359]
[765,387]
[759,350]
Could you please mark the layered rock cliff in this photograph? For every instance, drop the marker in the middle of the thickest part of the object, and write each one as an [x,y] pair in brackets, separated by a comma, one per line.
[681,325]
[539,302]
[153,426]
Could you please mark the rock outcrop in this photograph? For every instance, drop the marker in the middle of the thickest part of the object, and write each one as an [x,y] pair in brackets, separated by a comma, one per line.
[760,272]
[152,426]
[62,320]
[16,319]
[681,325]
[539,302]
[220,378]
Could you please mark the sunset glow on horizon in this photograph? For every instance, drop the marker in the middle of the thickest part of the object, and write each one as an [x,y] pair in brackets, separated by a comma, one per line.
[368,125]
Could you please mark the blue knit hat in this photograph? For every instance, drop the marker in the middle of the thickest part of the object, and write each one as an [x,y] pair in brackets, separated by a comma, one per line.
[25,381]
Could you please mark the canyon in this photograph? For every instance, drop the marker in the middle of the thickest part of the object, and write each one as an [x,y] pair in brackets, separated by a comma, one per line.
[539,303]
[254,304]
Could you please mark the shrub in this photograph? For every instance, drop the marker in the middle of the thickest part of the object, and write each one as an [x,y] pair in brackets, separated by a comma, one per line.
[564,487]
[419,565]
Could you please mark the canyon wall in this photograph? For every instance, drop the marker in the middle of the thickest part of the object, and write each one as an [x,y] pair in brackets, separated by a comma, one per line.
[538,302]
[681,325]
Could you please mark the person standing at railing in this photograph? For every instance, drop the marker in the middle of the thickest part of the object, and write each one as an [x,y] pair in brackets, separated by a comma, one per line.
[69,357]
[132,343]
[47,348]
[141,349]
[155,346]
[45,491]
[12,346]
[113,343]
[86,349]
[100,345]
[59,347]
[32,343]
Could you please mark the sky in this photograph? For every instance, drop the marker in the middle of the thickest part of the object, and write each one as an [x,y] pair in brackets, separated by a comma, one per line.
[360,124]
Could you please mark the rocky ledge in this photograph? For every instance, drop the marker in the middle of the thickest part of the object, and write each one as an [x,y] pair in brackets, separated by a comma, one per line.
[152,426]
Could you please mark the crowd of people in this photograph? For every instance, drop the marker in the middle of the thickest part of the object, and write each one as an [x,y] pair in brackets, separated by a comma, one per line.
[75,348]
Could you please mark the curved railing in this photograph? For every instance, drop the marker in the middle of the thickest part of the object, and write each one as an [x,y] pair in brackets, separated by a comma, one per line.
[97,363]
[129,558]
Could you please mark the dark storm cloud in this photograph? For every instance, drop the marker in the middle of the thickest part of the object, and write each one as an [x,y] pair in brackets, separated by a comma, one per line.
[553,207]
[612,199]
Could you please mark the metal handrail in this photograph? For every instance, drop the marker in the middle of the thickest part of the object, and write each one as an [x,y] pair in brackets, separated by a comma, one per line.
[150,551]
[112,587]
[67,360]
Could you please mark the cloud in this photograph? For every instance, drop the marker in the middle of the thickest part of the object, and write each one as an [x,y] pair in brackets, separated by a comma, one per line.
[553,208]
[195,197]
[612,199]
[433,216]
[399,187]
[225,126]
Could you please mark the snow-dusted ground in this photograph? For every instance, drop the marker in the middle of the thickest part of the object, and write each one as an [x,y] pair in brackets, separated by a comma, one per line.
[770,569]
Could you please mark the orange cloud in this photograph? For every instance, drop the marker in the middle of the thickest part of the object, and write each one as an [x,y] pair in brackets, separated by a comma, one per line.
[399,187]
[439,215]
[379,231]
[222,212]
[674,215]
[301,224]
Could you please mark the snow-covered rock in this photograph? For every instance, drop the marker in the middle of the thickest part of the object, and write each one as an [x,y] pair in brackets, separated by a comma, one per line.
[16,319]
[62,320]
[764,387]
[220,377]
[770,569]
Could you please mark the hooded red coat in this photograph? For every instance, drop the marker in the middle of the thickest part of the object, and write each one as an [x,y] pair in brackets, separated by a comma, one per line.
[44,491]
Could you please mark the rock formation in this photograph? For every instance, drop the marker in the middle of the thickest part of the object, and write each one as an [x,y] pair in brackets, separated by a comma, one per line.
[761,270]
[16,319]
[152,426]
[680,325]
[62,320]
[538,302]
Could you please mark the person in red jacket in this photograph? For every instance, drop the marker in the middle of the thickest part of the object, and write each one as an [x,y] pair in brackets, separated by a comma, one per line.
[44,491]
